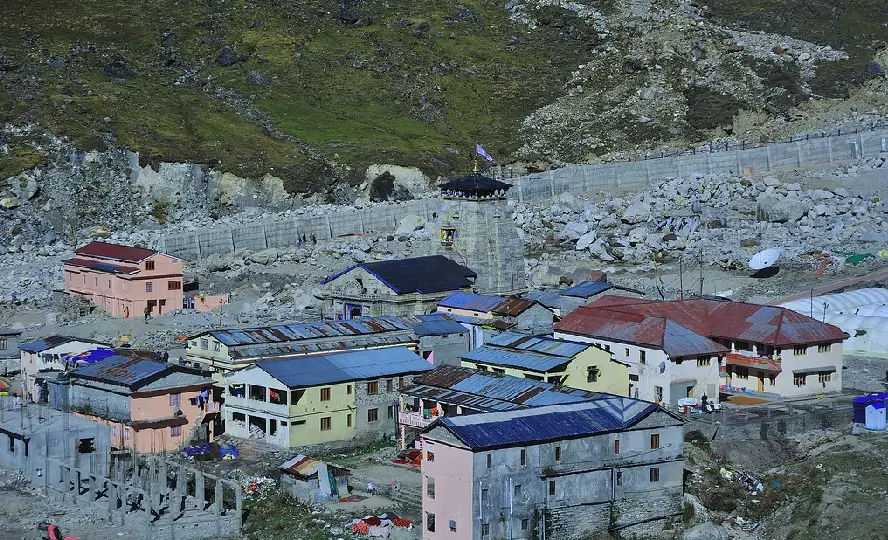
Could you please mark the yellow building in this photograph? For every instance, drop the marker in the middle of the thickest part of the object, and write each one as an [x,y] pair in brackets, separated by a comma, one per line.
[579,365]
[321,398]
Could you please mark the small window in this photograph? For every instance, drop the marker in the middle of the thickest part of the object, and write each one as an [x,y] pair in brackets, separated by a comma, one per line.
[824,378]
[655,474]
[400,382]
[824,347]
[489,461]
[11,443]
[325,394]
[348,420]
[655,441]
[348,389]
[372,388]
[373,415]
[801,350]
[617,446]
[391,412]
[704,361]
[551,487]
[430,456]
[523,457]
[149,265]
[3,344]
[86,446]
[485,529]
[430,522]
[174,285]
[557,454]
[326,423]
[627,352]
[799,380]
[126,433]
[149,286]
[175,400]
[390,385]
[517,489]
[525,523]
[204,344]
[642,357]
[452,525]
[430,487]
[658,394]
[619,478]
[217,346]
[175,431]
[592,374]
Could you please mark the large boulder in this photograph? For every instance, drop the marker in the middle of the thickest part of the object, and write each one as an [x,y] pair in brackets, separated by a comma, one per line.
[598,249]
[637,212]
[705,531]
[586,240]
[409,224]
[266,256]
[779,210]
[574,230]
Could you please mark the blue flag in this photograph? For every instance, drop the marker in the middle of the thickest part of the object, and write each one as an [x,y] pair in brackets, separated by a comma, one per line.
[483,153]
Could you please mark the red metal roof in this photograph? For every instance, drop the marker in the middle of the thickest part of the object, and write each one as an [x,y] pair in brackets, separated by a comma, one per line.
[512,307]
[738,321]
[117,252]
[756,362]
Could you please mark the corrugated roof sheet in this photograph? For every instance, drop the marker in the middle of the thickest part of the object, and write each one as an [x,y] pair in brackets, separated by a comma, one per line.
[51,342]
[102,266]
[549,298]
[314,347]
[118,252]
[550,423]
[755,362]
[512,307]
[285,333]
[434,324]
[304,466]
[585,289]
[545,345]
[432,274]
[499,356]
[123,370]
[485,392]
[307,371]
[471,301]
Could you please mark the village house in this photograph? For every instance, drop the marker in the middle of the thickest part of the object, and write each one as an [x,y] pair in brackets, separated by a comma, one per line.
[518,314]
[320,398]
[435,337]
[558,471]
[567,363]
[125,281]
[308,479]
[150,406]
[685,348]
[10,359]
[453,391]
[45,357]
[398,287]
[563,301]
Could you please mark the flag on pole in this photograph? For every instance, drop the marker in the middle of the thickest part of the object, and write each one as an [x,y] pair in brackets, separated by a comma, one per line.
[483,153]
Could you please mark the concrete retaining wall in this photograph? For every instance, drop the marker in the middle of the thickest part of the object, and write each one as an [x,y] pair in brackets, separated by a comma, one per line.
[778,427]
[536,187]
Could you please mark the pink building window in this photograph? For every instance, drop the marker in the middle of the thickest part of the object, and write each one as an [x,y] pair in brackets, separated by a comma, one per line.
[176,431]
[149,286]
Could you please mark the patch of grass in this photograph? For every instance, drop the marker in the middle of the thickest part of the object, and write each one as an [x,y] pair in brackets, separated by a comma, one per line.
[18,159]
[279,515]
[708,109]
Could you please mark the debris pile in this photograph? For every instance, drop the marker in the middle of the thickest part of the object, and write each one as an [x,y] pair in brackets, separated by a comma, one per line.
[378,526]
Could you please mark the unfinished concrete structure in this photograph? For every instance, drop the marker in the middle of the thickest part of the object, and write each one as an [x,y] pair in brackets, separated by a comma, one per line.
[476,229]
[152,497]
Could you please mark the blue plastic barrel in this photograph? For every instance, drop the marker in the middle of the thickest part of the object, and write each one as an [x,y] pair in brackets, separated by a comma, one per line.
[860,404]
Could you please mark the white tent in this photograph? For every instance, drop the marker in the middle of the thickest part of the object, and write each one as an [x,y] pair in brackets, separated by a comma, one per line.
[840,302]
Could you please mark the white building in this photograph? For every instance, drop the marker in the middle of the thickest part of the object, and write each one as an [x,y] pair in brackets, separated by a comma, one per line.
[49,355]
[674,346]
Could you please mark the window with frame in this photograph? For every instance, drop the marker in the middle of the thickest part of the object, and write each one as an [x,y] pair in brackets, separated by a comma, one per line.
[391,412]
[517,489]
[592,374]
[217,346]
[525,524]
[326,423]
[642,357]
[551,487]
[430,456]
[430,522]
[325,394]
[655,474]
[523,457]
[204,344]
[800,350]
[655,441]
[658,394]
[373,415]
[372,388]
[799,380]
[627,352]
[452,525]
[149,286]
[485,529]
[174,285]
[824,347]
[175,400]
[617,446]
[400,382]
[430,487]
[619,478]
[348,389]
[175,431]
[824,377]
[389,385]
[3,344]
[489,461]
[348,420]
[149,265]
[557,454]
[704,361]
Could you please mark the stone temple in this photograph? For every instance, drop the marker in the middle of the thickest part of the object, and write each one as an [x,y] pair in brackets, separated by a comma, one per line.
[476,230]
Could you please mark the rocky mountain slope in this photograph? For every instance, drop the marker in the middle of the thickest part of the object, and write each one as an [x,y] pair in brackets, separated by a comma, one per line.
[314,91]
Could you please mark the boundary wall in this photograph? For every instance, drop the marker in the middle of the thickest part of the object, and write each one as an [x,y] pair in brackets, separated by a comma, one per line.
[810,150]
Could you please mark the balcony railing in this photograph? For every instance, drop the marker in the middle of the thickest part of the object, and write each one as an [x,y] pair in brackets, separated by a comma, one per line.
[256,405]
[413,419]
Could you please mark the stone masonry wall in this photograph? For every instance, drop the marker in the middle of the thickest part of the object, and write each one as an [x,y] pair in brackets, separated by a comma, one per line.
[575,179]
[381,401]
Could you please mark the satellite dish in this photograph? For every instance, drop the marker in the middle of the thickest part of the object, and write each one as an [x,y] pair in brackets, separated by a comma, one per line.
[662,367]
[764,259]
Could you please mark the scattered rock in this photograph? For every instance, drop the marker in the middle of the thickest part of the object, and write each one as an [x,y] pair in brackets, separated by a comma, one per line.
[637,212]
[119,68]
[409,224]
[586,240]
[705,531]
[227,57]
[266,256]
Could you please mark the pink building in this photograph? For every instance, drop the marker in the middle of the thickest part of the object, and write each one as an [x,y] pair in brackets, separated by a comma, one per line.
[124,280]
[151,407]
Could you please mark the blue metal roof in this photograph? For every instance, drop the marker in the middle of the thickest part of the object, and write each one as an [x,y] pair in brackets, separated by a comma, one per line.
[51,342]
[434,324]
[510,358]
[550,299]
[545,345]
[585,289]
[472,302]
[550,423]
[435,273]
[123,370]
[307,371]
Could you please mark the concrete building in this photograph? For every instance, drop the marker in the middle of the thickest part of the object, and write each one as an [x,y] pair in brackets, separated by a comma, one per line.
[320,398]
[563,301]
[149,406]
[686,348]
[400,287]
[10,362]
[308,479]
[559,471]
[514,313]
[46,357]
[476,228]
[124,281]
[30,436]
[437,338]
[567,363]
[453,391]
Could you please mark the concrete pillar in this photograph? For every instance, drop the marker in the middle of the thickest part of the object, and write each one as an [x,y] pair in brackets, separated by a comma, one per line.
[217,500]
[182,479]
[199,490]
[162,478]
